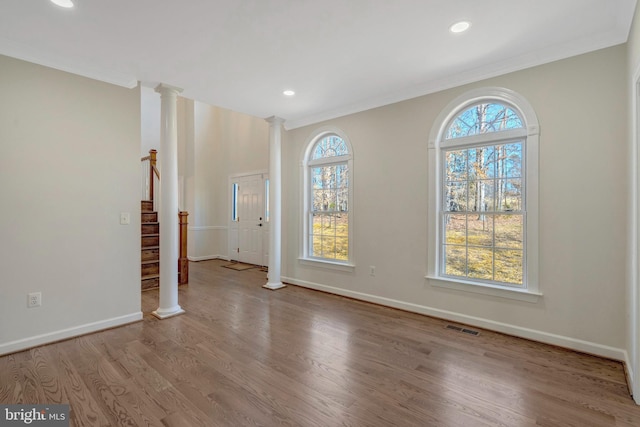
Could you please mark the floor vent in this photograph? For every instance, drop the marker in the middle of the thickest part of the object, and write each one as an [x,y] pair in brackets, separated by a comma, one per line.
[463,330]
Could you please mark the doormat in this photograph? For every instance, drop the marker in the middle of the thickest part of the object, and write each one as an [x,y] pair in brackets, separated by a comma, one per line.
[240,266]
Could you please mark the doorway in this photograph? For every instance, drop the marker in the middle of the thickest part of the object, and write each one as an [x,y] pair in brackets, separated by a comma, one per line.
[249,225]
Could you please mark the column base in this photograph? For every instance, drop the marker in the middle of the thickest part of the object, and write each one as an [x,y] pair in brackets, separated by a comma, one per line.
[274,286]
[165,313]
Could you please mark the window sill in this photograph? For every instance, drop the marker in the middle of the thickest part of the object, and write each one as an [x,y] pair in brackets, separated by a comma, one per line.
[493,290]
[321,263]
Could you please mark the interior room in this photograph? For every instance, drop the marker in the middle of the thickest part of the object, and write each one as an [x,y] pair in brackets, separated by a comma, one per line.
[353,155]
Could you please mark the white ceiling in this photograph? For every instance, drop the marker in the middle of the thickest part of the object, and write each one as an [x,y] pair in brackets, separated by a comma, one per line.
[340,56]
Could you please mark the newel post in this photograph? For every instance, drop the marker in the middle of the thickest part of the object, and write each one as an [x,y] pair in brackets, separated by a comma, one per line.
[183,261]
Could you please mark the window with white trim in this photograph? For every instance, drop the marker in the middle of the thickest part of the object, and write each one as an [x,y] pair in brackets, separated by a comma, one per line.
[328,169]
[483,193]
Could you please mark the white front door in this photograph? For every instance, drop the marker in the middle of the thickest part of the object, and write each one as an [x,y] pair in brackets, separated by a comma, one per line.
[251,220]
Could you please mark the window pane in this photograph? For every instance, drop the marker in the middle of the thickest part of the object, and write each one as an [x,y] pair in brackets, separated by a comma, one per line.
[342,224]
[455,229]
[455,198]
[318,200]
[342,176]
[480,230]
[342,248]
[456,165]
[483,118]
[316,178]
[234,201]
[480,263]
[509,196]
[481,196]
[480,164]
[455,263]
[509,266]
[508,232]
[510,160]
[329,146]
[343,200]
[316,221]
[328,246]
[316,245]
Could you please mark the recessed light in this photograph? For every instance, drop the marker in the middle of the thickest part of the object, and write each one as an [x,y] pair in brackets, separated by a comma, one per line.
[288,92]
[460,27]
[63,3]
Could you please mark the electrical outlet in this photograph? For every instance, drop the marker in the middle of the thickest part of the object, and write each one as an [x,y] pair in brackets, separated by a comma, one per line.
[372,270]
[34,299]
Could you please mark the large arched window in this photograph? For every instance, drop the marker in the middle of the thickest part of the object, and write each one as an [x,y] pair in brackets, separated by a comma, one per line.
[484,161]
[327,211]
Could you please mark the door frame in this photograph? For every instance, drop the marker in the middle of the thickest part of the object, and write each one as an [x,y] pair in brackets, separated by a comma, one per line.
[233,238]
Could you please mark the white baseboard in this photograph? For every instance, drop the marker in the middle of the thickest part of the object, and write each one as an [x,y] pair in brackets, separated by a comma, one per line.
[207,258]
[26,343]
[518,331]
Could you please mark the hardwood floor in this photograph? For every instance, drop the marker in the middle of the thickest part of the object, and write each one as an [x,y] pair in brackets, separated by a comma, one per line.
[243,355]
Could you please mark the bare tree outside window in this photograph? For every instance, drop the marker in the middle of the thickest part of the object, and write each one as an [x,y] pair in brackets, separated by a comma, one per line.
[329,198]
[482,198]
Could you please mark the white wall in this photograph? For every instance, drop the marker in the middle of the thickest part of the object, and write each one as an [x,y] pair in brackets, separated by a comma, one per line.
[219,143]
[150,120]
[69,164]
[580,103]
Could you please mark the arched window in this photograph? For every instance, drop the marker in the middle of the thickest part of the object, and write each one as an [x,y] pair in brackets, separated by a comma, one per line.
[328,169]
[484,161]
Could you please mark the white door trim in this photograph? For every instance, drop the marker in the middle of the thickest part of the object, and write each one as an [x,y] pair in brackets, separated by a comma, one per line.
[233,233]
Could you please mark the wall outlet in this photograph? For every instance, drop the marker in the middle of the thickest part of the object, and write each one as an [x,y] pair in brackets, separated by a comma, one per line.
[34,299]
[372,270]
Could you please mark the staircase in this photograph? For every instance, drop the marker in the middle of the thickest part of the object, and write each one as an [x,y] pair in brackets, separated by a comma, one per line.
[150,246]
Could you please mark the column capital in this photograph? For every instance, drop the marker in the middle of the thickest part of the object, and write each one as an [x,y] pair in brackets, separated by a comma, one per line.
[275,120]
[164,88]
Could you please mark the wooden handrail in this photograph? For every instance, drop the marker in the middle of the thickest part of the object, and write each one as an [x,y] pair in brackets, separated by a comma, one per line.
[153,171]
[152,166]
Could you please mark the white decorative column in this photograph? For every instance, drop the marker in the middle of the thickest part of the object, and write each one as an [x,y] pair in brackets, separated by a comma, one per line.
[168,212]
[275,203]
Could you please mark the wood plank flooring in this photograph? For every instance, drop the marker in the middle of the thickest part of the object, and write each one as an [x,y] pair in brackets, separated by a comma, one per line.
[246,356]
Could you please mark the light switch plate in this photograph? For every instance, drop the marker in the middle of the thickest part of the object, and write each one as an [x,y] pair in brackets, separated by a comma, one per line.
[125,218]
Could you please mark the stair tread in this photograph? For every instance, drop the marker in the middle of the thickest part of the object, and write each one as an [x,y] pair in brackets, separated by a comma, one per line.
[150,261]
[151,235]
[150,223]
[151,276]
[150,247]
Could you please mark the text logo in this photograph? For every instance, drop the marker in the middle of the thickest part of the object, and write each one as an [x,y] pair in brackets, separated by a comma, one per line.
[34,415]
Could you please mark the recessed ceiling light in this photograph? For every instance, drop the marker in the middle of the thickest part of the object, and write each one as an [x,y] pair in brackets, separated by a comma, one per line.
[460,27]
[288,92]
[63,3]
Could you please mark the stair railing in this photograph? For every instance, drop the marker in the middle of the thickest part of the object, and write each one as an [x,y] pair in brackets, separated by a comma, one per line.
[150,177]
